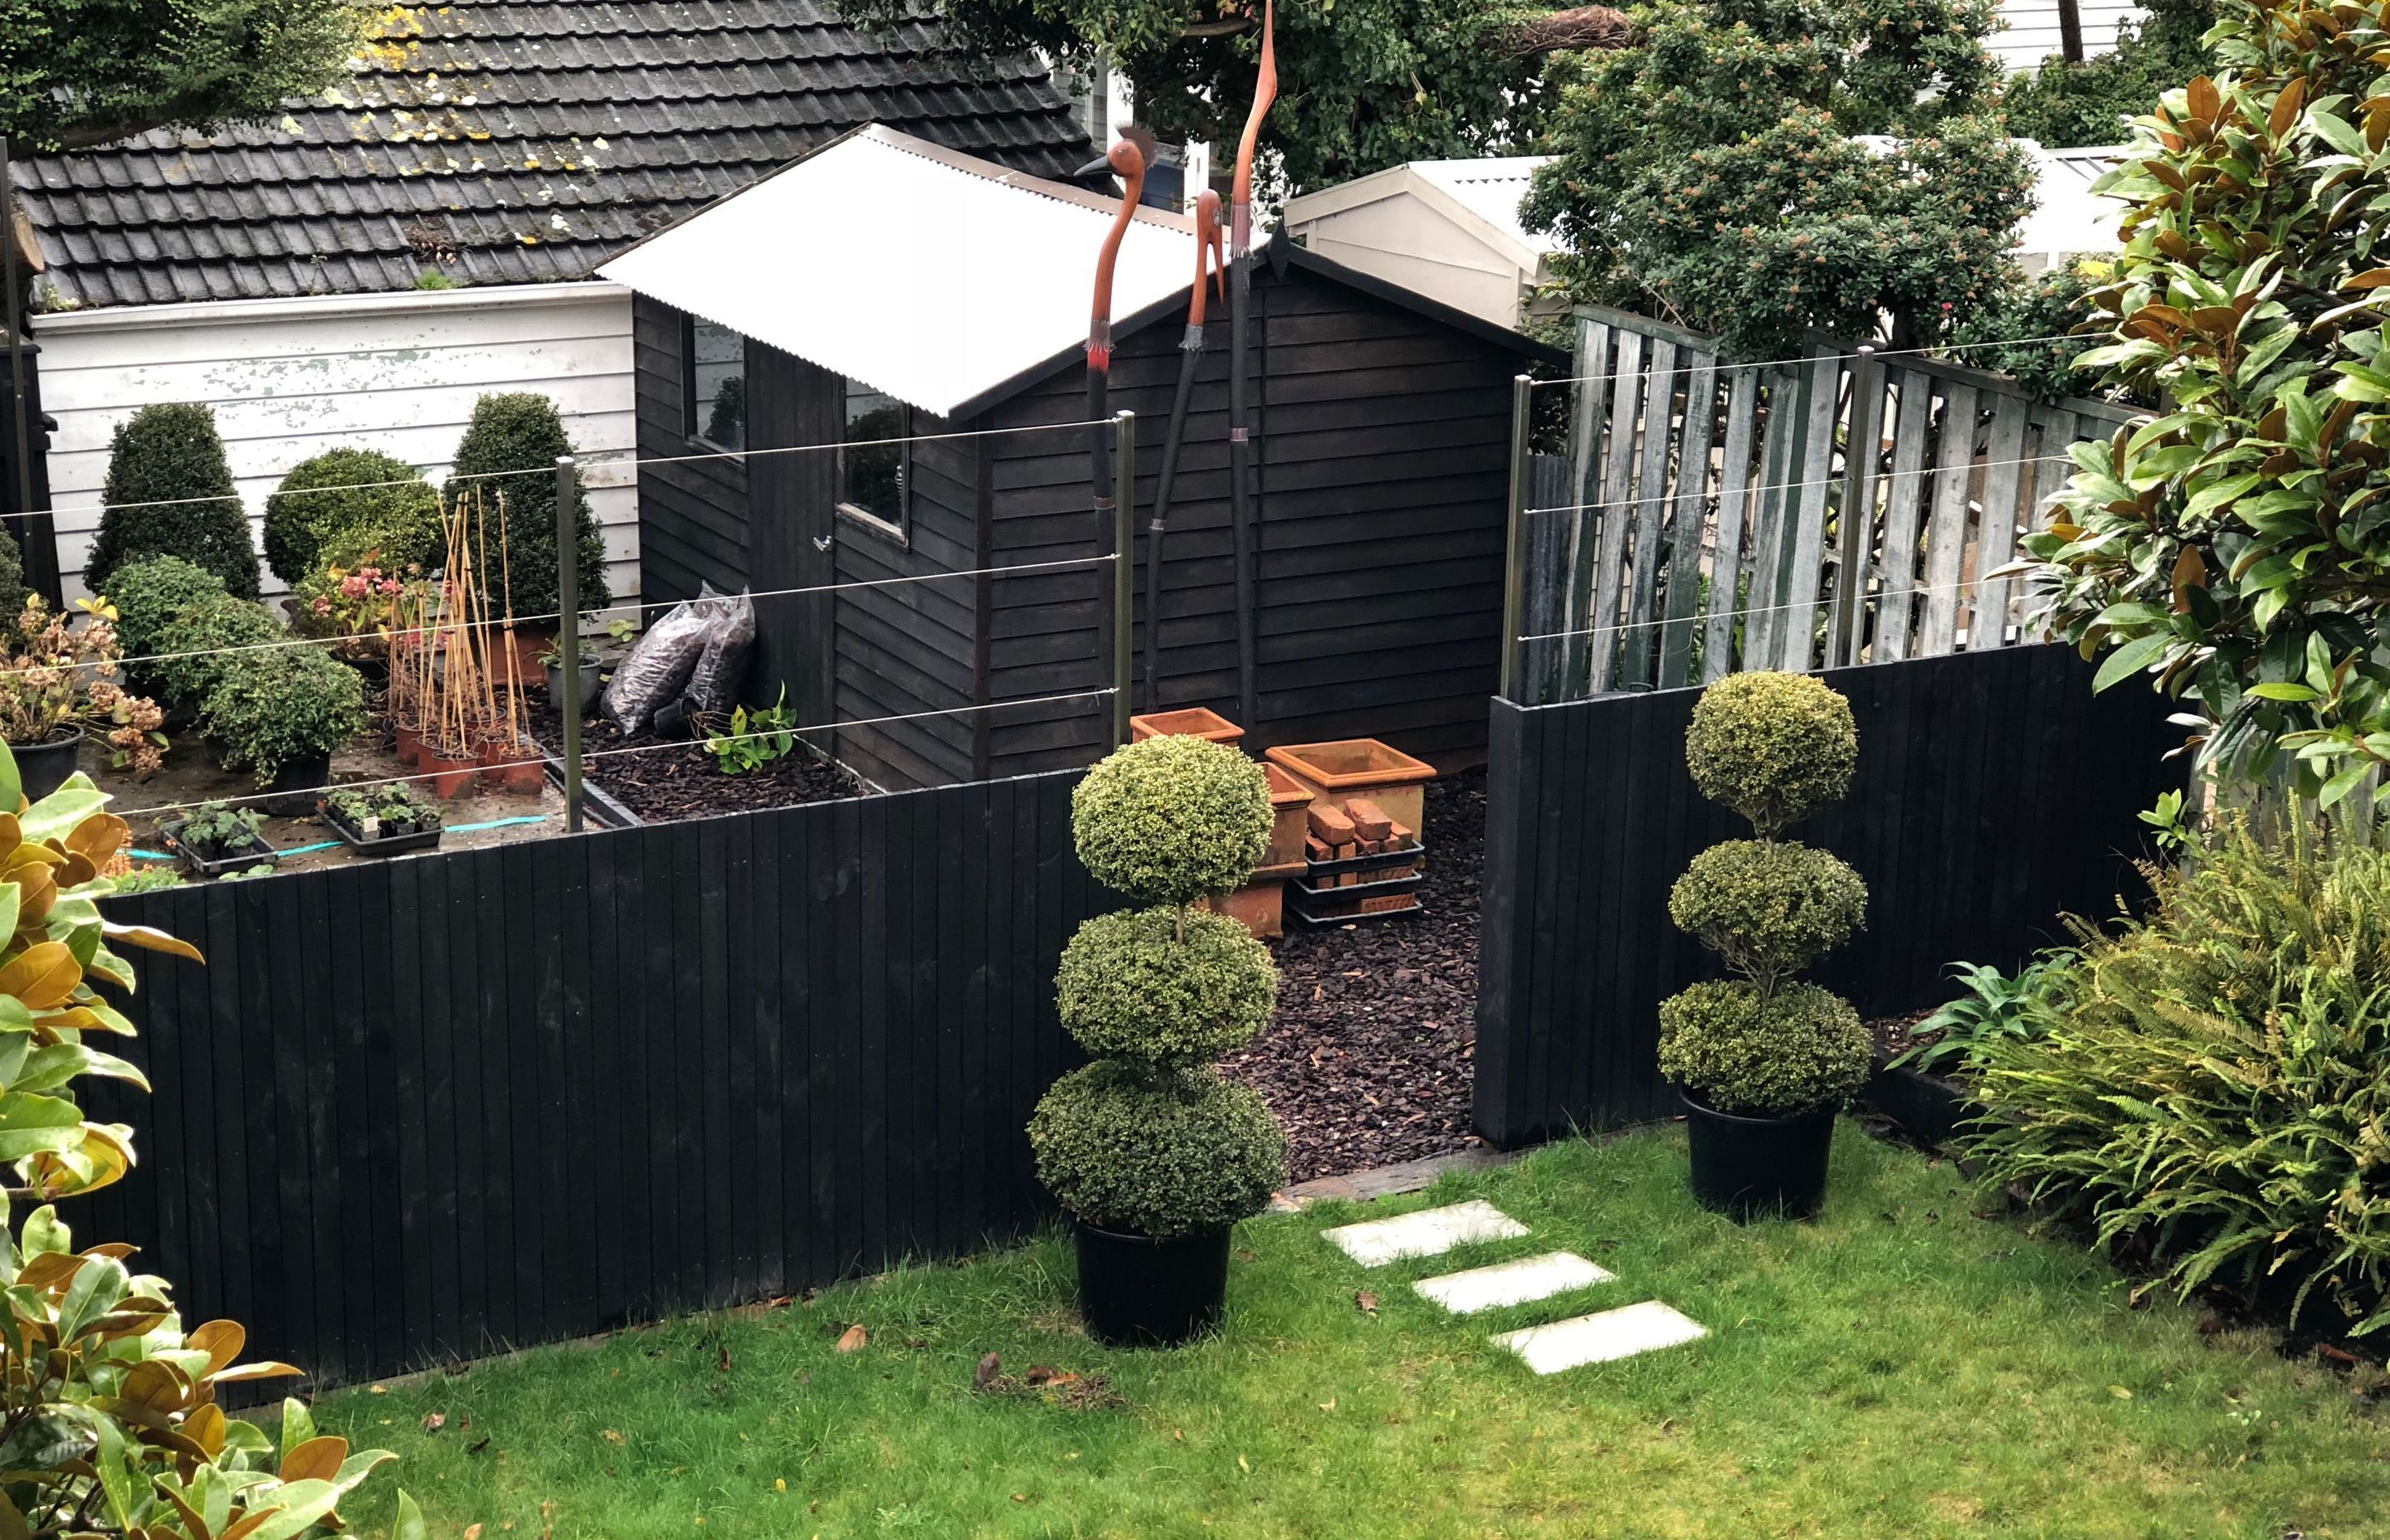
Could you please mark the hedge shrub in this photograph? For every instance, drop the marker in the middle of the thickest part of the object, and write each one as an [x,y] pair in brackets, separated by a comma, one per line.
[1773,746]
[205,641]
[1172,819]
[342,495]
[1767,1055]
[1132,986]
[1156,1155]
[163,455]
[522,431]
[13,592]
[2218,1082]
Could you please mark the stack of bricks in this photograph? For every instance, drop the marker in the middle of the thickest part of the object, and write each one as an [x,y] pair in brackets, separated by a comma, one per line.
[1357,828]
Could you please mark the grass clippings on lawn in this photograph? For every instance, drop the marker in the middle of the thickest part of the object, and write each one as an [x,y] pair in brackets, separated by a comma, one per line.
[1900,1368]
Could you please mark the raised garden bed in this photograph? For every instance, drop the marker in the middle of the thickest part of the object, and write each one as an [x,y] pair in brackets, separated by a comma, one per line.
[679,779]
[1929,1108]
[1368,1059]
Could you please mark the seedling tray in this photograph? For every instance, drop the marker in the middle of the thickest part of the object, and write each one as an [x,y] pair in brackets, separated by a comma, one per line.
[207,868]
[391,845]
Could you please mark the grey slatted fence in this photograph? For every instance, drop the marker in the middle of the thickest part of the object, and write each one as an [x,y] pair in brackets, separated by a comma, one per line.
[1694,523]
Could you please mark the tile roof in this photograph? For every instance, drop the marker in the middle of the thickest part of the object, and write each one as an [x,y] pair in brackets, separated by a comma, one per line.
[510,141]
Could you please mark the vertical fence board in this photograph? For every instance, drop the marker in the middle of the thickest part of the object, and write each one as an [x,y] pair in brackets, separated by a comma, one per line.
[1650,514]
[1945,536]
[1734,484]
[1609,522]
[2004,472]
[1580,532]
[1903,508]
[1805,539]
[1955,752]
[1685,537]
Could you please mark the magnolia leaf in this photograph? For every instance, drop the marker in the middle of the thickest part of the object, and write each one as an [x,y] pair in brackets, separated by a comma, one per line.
[31,1123]
[221,1341]
[407,1525]
[42,975]
[150,939]
[56,816]
[2131,659]
[318,1459]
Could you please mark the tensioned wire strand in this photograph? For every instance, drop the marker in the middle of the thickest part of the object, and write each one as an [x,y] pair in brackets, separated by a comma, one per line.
[1663,498]
[508,623]
[704,743]
[591,463]
[1703,618]
[1725,367]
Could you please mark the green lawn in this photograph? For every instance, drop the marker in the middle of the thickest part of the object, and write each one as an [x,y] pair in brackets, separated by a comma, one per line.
[1898,1368]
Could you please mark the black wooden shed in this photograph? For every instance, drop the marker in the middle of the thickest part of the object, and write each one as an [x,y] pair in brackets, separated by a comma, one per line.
[1380,421]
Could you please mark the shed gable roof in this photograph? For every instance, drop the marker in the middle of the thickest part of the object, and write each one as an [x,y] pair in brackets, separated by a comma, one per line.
[511,141]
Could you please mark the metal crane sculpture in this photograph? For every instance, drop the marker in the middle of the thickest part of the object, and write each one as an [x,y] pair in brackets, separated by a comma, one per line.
[1240,269]
[1127,162]
[1208,259]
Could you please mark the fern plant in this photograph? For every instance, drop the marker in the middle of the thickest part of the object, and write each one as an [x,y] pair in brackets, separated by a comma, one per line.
[2218,1085]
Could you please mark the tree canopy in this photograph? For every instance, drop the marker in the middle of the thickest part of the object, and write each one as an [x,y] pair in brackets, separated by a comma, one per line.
[75,74]
[1364,84]
[1715,173]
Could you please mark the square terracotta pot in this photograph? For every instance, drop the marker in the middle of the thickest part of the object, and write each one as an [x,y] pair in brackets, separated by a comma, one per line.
[1289,799]
[1352,767]
[1193,721]
[1260,904]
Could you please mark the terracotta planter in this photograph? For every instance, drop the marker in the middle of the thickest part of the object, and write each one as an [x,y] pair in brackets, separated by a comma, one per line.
[531,643]
[1360,767]
[511,766]
[1193,721]
[1289,821]
[1260,904]
[450,777]
[410,742]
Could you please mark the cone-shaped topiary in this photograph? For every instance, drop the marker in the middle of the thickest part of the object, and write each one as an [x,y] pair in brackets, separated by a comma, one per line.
[170,492]
[13,591]
[1774,747]
[362,492]
[1149,1139]
[1172,819]
[521,431]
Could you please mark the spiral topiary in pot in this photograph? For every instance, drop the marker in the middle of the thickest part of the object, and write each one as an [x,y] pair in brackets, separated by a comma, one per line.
[1148,1148]
[1762,1059]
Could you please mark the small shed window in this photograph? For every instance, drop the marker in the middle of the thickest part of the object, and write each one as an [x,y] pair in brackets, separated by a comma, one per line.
[873,474]
[716,381]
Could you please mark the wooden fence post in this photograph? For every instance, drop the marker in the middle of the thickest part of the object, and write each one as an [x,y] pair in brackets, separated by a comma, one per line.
[567,633]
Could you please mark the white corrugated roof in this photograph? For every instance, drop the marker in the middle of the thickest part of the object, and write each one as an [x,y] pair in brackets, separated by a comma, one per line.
[927,274]
[1491,188]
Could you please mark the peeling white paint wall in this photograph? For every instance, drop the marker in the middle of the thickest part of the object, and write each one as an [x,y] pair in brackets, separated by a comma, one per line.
[289,379]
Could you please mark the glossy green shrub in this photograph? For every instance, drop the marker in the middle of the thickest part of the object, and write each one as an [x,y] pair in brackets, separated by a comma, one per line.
[1131,986]
[1744,1051]
[2218,1082]
[13,591]
[1161,1156]
[269,707]
[1172,819]
[343,496]
[1769,907]
[196,647]
[1773,746]
[170,492]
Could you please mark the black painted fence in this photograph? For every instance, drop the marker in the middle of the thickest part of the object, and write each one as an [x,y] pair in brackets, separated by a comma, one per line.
[1994,794]
[417,1110]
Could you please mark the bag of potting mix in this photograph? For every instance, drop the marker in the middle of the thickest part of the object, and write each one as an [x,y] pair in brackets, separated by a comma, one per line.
[661,662]
[713,688]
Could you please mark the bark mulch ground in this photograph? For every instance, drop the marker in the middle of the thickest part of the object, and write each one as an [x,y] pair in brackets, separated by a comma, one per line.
[679,779]
[1368,1059]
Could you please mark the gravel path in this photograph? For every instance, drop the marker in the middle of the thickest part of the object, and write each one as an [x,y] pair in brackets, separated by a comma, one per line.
[1368,1060]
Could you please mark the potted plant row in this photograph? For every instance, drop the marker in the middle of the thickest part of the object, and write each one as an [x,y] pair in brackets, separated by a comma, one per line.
[383,820]
[1764,1059]
[1153,1154]
[217,839]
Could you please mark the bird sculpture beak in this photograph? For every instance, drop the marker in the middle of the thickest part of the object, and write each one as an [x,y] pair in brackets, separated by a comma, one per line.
[1100,165]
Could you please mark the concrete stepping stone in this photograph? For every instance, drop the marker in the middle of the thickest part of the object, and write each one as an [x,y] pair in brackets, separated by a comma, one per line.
[1600,1337]
[1427,1233]
[1517,1282]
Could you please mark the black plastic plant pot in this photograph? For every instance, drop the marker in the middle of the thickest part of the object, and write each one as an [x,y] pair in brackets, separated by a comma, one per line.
[1753,1168]
[1929,1106]
[297,785]
[44,768]
[1137,1291]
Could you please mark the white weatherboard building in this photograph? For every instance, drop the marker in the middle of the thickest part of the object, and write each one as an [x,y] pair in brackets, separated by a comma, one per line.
[289,379]
[1447,229]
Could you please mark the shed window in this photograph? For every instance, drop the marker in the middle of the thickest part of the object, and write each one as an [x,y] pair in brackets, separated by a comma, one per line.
[873,476]
[716,385]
